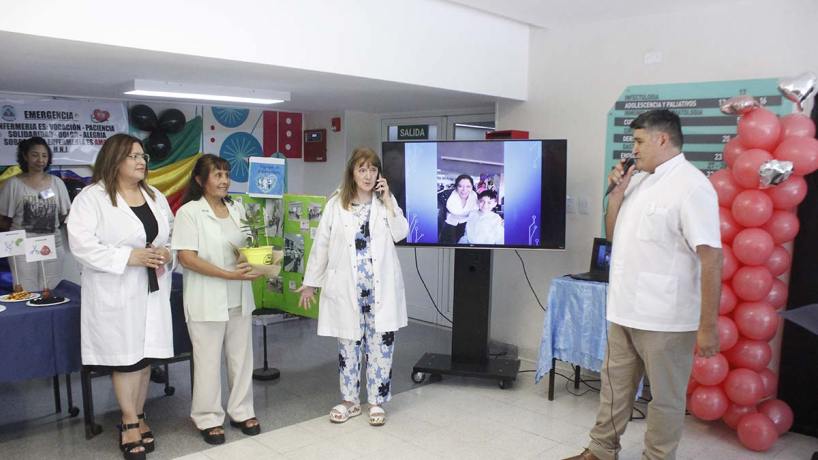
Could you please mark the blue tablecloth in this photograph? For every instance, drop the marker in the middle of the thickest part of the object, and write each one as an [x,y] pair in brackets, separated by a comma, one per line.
[574,327]
[45,341]
[40,341]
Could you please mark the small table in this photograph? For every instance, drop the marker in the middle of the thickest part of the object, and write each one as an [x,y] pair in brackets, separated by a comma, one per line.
[42,342]
[574,328]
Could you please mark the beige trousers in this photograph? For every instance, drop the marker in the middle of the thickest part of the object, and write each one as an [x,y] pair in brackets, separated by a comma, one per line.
[666,358]
[208,338]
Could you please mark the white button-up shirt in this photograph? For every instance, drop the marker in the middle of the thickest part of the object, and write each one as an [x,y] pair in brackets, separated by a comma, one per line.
[655,277]
[198,229]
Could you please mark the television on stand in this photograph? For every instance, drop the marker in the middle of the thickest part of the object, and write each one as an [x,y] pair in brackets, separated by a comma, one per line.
[477,196]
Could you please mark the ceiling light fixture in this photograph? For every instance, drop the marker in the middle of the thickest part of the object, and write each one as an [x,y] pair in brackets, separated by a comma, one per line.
[171,90]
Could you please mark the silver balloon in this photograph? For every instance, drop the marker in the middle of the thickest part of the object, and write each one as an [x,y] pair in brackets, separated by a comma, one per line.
[739,105]
[774,172]
[798,89]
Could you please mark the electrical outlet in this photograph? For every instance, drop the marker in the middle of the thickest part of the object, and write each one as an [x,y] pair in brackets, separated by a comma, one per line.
[583,205]
[570,205]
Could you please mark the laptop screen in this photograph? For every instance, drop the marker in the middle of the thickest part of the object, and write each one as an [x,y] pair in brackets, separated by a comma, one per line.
[601,255]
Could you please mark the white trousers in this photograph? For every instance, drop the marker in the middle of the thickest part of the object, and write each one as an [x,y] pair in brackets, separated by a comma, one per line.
[208,339]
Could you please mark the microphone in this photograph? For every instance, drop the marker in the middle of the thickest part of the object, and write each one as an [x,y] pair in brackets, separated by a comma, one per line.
[626,165]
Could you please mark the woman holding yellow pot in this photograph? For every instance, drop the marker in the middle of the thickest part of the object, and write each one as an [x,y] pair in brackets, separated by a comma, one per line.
[218,299]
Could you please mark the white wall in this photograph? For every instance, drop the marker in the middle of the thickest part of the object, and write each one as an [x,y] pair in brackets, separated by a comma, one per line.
[576,75]
[394,40]
[358,129]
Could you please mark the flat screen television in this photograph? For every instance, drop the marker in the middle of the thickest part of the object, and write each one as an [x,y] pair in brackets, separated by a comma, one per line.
[480,194]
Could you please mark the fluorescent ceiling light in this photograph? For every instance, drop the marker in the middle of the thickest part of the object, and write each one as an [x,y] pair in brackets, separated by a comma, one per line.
[170,90]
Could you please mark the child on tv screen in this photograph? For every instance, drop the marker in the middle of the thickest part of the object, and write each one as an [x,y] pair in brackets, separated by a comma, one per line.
[484,226]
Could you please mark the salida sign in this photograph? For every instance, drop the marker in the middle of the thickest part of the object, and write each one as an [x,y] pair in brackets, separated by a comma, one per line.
[413,132]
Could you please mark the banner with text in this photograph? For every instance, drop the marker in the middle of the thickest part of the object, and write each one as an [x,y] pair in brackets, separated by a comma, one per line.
[75,130]
[706,129]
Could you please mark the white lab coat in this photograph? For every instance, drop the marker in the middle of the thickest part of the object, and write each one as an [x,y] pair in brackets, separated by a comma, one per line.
[121,322]
[332,267]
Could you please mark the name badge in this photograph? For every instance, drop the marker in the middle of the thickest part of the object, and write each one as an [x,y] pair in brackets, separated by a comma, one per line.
[47,193]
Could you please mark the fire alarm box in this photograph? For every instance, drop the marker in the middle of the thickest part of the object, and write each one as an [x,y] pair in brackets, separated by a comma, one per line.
[315,145]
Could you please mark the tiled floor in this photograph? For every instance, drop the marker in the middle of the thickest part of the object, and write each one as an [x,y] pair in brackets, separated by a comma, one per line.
[453,419]
[469,419]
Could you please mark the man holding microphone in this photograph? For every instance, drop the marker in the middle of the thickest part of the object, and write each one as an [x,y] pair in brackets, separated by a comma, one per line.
[665,282]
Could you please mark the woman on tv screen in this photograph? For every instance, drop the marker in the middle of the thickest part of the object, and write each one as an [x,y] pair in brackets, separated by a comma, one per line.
[460,204]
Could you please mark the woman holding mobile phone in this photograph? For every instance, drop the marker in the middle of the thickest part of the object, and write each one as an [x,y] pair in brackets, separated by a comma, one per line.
[355,263]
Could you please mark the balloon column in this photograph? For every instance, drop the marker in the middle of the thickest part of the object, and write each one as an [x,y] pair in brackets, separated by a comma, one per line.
[758,192]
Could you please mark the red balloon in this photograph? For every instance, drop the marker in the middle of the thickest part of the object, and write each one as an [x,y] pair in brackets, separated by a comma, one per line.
[752,283]
[710,371]
[743,387]
[789,193]
[757,432]
[759,129]
[782,226]
[750,354]
[752,208]
[732,149]
[729,226]
[745,168]
[728,333]
[777,298]
[691,385]
[729,264]
[770,382]
[802,151]
[796,125]
[779,261]
[728,300]
[734,414]
[708,402]
[779,413]
[753,246]
[726,186]
[756,320]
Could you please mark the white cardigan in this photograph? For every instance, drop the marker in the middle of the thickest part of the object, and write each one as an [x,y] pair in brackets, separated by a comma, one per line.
[332,267]
[198,229]
[121,322]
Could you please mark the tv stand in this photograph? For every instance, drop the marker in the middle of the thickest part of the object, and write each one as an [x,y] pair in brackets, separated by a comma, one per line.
[470,329]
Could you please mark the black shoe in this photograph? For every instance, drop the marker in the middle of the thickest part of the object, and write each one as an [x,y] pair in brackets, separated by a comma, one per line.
[213,438]
[158,375]
[249,430]
[147,438]
[128,449]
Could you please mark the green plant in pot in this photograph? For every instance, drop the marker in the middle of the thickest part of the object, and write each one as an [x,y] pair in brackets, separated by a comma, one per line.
[265,259]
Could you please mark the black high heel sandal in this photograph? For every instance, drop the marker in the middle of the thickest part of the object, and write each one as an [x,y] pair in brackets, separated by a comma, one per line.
[128,448]
[150,446]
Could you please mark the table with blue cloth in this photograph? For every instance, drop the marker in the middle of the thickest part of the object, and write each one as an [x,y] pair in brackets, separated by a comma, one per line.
[42,342]
[574,328]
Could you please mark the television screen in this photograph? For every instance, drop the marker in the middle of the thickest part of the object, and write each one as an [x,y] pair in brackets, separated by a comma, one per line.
[485,194]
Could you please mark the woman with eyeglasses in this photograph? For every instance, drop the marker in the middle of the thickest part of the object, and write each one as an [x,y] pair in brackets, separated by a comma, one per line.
[119,230]
[37,202]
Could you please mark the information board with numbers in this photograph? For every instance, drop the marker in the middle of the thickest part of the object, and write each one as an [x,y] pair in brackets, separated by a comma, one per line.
[706,129]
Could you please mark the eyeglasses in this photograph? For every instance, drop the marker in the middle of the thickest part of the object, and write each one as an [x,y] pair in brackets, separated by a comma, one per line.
[137,156]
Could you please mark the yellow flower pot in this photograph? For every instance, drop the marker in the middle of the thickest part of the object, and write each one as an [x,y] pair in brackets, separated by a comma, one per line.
[265,259]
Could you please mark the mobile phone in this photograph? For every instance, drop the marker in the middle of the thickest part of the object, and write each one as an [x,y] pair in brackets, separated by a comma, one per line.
[377,192]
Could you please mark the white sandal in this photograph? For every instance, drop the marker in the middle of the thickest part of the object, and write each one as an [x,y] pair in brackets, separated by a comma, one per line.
[341,413]
[377,416]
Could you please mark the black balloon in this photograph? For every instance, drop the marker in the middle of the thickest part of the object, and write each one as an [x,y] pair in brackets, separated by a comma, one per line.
[158,146]
[143,117]
[172,121]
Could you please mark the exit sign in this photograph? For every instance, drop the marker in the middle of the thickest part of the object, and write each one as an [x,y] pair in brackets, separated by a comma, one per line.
[413,132]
